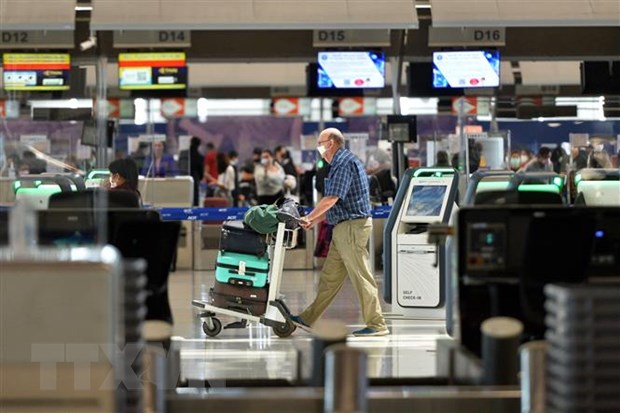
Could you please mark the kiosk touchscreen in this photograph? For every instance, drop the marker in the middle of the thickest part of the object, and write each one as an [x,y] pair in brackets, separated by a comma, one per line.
[416,273]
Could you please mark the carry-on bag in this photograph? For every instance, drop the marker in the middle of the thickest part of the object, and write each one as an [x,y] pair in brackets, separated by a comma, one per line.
[235,238]
[240,298]
[244,269]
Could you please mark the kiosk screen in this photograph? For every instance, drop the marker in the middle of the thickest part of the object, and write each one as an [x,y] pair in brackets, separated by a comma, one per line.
[426,200]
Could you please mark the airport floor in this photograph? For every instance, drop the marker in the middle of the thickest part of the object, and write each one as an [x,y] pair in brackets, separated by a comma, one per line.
[257,353]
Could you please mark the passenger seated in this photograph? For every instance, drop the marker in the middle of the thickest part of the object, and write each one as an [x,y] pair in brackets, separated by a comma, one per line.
[124,176]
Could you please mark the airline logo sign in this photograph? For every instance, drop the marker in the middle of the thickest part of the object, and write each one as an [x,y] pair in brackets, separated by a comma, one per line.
[357,106]
[178,108]
[472,105]
[114,108]
[285,106]
[9,109]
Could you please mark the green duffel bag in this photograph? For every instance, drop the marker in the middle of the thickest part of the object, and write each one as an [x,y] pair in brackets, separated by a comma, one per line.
[262,218]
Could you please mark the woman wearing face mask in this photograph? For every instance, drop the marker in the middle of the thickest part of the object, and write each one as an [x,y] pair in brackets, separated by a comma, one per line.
[269,178]
[515,161]
[124,176]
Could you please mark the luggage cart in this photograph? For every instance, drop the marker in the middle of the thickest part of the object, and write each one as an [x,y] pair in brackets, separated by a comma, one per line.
[277,315]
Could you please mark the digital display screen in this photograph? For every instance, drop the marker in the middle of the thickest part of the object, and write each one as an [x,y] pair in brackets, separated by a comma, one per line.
[152,71]
[466,69]
[426,200]
[36,71]
[351,70]
[486,246]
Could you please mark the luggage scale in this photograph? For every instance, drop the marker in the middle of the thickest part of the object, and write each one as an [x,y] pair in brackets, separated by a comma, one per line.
[277,315]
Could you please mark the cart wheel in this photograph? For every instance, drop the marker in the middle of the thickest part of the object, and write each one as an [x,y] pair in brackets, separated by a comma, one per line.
[285,330]
[215,328]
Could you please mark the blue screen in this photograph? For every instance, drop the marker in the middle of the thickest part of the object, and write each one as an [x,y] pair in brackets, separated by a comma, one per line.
[351,70]
[466,69]
[426,200]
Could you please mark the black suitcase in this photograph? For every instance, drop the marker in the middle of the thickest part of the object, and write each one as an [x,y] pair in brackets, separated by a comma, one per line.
[236,238]
[247,300]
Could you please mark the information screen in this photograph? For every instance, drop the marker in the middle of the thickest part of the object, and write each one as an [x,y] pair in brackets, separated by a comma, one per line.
[466,69]
[152,71]
[36,71]
[351,70]
[426,200]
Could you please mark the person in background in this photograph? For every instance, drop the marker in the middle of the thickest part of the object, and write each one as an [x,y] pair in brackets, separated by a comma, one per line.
[35,165]
[559,159]
[540,163]
[283,157]
[139,155]
[599,159]
[442,159]
[191,162]
[255,159]
[514,163]
[233,159]
[580,158]
[124,176]
[210,164]
[269,177]
[225,183]
[346,206]
[247,187]
[159,164]
[525,156]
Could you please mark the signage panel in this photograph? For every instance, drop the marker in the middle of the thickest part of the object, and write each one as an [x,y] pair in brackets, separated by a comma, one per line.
[466,36]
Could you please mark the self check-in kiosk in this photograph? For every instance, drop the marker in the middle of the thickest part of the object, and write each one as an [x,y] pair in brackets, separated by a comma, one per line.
[416,271]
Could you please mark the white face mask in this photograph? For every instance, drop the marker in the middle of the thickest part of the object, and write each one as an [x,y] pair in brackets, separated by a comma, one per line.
[524,158]
[265,162]
[112,182]
[321,149]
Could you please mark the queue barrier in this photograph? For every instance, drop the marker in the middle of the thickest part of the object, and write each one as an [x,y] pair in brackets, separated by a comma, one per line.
[232,213]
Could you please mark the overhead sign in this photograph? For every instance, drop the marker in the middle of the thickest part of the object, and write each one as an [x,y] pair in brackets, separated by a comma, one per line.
[36,71]
[472,105]
[32,39]
[285,106]
[179,108]
[357,106]
[152,38]
[351,38]
[466,36]
[290,106]
[9,109]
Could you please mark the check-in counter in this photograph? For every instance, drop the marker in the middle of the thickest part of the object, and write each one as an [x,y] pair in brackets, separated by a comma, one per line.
[173,192]
[7,196]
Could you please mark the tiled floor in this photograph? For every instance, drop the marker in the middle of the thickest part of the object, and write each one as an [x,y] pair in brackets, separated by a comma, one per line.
[256,353]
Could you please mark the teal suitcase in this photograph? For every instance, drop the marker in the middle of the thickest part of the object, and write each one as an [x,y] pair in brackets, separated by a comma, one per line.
[242,269]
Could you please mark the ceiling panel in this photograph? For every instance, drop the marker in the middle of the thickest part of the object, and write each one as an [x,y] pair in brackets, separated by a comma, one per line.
[252,14]
[37,14]
[515,13]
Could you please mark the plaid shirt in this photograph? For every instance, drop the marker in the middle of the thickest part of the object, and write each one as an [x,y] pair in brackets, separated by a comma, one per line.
[348,181]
